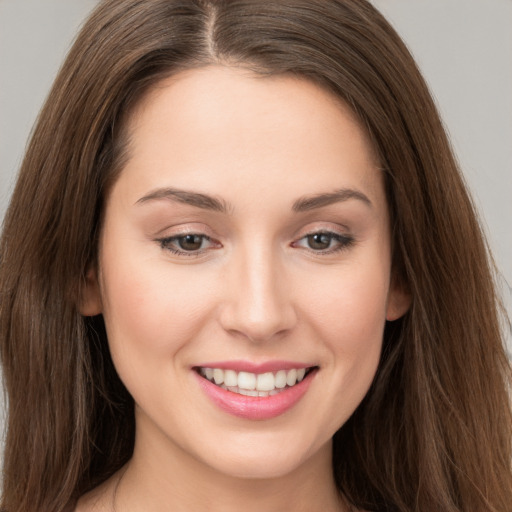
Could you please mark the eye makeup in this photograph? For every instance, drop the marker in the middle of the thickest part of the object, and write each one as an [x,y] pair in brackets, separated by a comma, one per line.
[188,244]
[325,242]
[320,242]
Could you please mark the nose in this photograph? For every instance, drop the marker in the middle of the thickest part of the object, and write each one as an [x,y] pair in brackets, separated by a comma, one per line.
[259,305]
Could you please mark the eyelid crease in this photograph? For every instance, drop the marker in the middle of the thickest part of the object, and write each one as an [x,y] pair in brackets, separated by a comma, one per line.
[183,229]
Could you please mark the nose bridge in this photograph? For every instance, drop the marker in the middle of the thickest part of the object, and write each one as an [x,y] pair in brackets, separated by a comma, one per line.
[259,304]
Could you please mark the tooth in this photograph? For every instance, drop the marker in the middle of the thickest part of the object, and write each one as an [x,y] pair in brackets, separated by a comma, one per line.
[291,377]
[230,378]
[218,376]
[280,379]
[248,392]
[250,384]
[265,382]
[246,380]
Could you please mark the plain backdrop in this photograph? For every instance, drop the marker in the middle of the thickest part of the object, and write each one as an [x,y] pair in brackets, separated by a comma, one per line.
[464,48]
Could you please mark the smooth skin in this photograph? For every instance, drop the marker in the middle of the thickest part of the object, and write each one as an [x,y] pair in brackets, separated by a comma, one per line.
[287,258]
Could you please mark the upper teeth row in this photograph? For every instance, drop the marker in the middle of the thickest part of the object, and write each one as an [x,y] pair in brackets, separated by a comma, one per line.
[260,382]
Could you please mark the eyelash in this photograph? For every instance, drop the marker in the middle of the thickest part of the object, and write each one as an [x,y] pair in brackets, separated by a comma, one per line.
[343,242]
[165,243]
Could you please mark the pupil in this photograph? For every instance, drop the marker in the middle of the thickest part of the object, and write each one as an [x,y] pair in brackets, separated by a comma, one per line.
[190,242]
[319,241]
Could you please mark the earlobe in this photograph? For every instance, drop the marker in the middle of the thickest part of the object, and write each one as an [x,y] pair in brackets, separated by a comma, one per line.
[90,297]
[399,302]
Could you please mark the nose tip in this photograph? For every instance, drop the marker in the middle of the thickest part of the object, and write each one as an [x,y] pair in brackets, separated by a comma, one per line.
[260,306]
[259,322]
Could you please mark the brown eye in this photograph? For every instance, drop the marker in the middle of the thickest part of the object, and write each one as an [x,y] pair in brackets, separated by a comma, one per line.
[319,241]
[187,245]
[324,242]
[190,242]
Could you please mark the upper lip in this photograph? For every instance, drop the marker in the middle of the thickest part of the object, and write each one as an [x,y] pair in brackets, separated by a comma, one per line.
[251,367]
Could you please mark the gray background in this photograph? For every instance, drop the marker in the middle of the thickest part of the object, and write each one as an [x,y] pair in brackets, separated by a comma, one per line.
[464,48]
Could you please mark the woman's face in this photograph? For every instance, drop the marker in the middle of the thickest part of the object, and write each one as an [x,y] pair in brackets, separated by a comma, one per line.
[247,242]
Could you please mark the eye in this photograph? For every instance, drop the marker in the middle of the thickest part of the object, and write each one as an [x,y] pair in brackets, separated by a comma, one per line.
[190,244]
[324,242]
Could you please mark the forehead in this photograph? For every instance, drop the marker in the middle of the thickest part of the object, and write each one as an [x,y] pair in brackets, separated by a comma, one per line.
[234,125]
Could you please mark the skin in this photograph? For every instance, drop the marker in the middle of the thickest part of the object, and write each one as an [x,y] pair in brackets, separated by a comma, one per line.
[256,290]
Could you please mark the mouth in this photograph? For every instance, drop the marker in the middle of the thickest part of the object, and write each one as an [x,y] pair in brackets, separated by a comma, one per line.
[255,384]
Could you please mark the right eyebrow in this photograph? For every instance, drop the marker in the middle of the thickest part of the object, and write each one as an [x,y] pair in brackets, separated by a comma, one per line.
[188,197]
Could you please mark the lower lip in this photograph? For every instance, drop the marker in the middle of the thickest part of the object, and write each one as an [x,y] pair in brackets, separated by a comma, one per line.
[254,407]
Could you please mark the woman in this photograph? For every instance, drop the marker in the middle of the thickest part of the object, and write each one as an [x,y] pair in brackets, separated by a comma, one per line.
[241,198]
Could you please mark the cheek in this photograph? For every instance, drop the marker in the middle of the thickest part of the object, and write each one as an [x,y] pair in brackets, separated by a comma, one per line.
[149,307]
[352,306]
[349,315]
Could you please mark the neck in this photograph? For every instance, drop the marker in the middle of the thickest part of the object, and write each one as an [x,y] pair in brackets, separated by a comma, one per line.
[162,475]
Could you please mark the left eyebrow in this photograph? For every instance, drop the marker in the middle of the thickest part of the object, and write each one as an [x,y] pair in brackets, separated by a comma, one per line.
[307,203]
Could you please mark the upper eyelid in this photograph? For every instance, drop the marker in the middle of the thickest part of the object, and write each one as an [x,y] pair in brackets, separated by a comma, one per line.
[200,229]
[189,228]
[327,230]
[299,235]
[184,233]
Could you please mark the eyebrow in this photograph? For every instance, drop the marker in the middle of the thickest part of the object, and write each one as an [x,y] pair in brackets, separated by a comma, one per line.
[196,199]
[207,202]
[307,203]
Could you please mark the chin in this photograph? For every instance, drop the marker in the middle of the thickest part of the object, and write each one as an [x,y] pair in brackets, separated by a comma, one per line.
[264,460]
[258,469]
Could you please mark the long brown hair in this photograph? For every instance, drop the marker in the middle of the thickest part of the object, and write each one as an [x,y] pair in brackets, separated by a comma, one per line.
[434,431]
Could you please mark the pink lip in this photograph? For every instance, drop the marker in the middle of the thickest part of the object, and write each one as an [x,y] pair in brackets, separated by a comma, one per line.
[255,408]
[247,366]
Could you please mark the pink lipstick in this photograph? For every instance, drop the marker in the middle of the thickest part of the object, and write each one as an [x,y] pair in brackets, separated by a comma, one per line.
[255,391]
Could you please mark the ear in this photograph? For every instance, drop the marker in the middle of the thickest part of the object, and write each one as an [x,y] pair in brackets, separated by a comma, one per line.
[399,300]
[90,299]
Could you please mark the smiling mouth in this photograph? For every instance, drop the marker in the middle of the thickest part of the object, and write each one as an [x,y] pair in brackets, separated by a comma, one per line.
[255,384]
